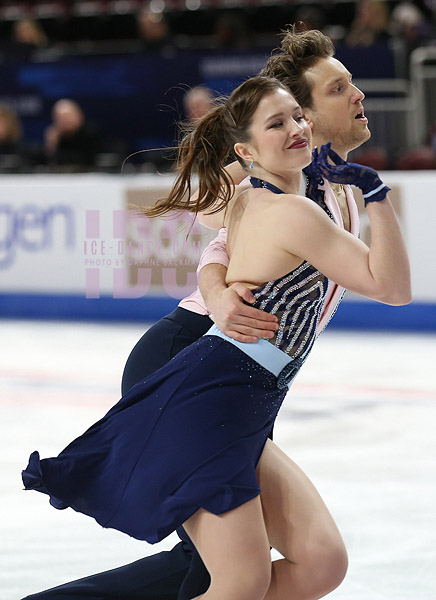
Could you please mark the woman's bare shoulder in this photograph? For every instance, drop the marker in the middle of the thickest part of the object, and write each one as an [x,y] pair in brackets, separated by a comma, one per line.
[293,212]
[216,220]
[291,204]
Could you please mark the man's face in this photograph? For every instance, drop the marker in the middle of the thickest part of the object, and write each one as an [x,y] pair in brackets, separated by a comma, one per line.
[67,117]
[337,115]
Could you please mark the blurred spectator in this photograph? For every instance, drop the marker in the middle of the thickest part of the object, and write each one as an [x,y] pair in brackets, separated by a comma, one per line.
[231,31]
[309,17]
[370,25]
[197,102]
[30,32]
[154,31]
[417,159]
[71,140]
[10,139]
[27,37]
[410,26]
[10,130]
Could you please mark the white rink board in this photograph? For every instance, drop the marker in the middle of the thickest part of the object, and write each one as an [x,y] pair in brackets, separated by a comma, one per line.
[43,218]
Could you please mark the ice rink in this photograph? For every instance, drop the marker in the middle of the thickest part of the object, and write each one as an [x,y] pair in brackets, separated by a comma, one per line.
[360,420]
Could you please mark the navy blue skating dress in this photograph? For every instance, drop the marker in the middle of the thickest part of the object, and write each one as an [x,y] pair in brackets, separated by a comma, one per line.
[192,433]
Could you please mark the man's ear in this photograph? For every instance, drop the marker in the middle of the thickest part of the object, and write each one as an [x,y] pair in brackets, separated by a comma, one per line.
[243,151]
[308,116]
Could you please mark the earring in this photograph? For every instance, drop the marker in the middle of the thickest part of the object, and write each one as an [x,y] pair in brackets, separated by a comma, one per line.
[251,164]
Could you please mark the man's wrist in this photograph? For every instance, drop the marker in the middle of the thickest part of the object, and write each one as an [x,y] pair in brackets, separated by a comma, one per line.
[211,280]
[213,293]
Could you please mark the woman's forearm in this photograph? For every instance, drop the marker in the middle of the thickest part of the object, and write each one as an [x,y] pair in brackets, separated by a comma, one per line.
[387,259]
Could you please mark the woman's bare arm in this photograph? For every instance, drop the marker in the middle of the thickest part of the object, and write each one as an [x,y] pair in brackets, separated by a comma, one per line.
[380,271]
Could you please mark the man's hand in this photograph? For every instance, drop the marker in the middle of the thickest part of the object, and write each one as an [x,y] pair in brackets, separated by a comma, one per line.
[236,319]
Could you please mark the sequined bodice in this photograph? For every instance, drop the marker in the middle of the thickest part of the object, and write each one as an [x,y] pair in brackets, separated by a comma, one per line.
[297,300]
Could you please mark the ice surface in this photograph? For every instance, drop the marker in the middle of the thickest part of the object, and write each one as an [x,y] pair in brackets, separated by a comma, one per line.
[360,420]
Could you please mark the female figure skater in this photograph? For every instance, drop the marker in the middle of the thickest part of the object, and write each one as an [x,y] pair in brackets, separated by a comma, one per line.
[189,444]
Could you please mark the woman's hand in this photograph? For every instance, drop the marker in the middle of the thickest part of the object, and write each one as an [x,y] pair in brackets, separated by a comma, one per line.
[341,171]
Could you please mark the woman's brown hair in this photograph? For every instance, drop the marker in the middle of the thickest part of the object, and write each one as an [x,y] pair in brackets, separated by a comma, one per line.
[206,147]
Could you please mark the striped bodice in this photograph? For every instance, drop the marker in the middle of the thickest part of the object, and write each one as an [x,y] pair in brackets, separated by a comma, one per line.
[297,300]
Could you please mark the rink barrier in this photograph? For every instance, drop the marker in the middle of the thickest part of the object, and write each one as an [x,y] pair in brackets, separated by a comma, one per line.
[351,315]
[71,248]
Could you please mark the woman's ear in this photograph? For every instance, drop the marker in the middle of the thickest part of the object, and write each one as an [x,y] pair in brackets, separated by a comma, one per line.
[243,151]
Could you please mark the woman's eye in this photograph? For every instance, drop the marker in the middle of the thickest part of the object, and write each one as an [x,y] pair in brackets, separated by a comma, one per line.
[276,125]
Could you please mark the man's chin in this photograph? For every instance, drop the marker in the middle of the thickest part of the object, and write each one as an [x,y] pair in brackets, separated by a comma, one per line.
[360,140]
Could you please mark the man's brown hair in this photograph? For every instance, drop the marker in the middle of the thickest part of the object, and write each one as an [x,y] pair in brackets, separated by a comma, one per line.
[298,52]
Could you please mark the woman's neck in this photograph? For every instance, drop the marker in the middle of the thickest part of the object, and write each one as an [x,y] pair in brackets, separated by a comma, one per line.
[288,183]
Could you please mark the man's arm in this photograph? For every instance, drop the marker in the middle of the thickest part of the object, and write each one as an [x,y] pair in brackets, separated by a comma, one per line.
[230,313]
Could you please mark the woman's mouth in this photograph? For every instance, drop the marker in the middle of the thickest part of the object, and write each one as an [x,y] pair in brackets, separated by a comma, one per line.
[298,144]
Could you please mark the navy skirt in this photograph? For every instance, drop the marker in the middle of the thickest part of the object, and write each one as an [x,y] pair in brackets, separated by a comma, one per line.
[187,437]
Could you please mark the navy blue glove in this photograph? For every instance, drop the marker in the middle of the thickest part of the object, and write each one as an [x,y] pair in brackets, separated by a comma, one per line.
[314,180]
[365,178]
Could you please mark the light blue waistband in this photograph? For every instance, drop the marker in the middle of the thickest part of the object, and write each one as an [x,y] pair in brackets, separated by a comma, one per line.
[262,351]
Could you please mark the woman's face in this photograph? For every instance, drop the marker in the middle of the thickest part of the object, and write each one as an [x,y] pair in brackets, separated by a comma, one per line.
[281,139]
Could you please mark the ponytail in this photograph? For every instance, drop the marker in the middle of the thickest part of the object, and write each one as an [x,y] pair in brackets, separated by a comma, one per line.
[207,146]
[204,150]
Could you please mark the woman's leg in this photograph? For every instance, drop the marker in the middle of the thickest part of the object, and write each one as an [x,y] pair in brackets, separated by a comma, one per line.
[235,549]
[301,528]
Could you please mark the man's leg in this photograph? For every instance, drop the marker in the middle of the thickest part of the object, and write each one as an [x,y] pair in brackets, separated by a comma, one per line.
[161,342]
[157,577]
[197,579]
